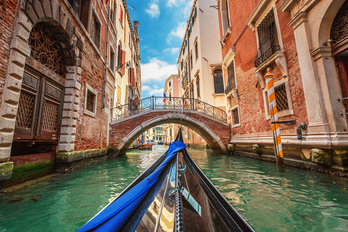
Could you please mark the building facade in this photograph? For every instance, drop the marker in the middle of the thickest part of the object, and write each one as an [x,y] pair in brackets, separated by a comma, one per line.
[58,79]
[303,44]
[199,59]
[193,139]
[154,135]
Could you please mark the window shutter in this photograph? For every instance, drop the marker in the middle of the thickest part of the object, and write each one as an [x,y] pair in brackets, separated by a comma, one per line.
[121,15]
[123,60]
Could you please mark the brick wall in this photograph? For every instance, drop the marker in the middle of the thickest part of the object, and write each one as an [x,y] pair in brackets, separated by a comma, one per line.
[121,130]
[91,132]
[7,15]
[251,103]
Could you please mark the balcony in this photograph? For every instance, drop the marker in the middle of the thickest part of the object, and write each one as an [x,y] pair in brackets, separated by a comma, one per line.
[230,86]
[265,54]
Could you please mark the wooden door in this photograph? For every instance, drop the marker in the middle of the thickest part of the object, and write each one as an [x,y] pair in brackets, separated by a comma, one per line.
[39,110]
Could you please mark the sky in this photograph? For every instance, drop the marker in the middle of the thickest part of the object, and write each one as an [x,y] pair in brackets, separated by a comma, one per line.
[162,27]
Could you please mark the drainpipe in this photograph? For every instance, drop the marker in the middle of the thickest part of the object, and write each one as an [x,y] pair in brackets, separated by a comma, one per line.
[104,89]
[106,53]
[189,65]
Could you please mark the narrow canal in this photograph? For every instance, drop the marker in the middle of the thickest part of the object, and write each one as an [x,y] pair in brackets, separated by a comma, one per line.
[292,200]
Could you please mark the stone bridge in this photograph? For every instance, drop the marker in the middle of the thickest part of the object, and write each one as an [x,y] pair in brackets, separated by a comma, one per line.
[131,120]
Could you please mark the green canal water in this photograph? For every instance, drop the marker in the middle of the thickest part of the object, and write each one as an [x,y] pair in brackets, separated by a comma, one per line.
[269,200]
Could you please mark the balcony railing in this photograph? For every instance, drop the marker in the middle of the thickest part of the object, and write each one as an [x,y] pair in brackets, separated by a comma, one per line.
[230,85]
[167,103]
[262,56]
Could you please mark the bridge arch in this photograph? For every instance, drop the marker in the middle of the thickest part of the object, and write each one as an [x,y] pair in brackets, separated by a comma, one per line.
[124,132]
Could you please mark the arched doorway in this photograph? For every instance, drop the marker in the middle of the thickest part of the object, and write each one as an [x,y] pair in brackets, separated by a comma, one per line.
[40,105]
[339,41]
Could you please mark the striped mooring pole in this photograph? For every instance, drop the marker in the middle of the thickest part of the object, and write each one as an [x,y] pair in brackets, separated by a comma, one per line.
[274,119]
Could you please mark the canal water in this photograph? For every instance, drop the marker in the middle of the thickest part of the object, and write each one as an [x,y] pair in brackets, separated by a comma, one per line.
[269,200]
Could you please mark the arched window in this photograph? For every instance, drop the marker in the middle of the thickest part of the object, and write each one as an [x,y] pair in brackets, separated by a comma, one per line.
[339,29]
[225,15]
[218,82]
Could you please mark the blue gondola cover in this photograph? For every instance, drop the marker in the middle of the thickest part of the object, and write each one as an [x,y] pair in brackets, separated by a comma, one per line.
[113,217]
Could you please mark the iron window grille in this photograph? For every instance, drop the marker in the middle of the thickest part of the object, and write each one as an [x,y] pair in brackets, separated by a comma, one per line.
[268,39]
[281,97]
[339,29]
[231,78]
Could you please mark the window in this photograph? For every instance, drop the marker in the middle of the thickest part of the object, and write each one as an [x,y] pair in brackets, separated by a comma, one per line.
[231,84]
[170,96]
[153,137]
[170,83]
[268,39]
[153,131]
[112,59]
[225,16]
[121,15]
[121,58]
[131,79]
[281,98]
[196,50]
[95,30]
[90,101]
[84,12]
[197,84]
[156,137]
[218,82]
[191,61]
[160,138]
[118,95]
[235,117]
[192,91]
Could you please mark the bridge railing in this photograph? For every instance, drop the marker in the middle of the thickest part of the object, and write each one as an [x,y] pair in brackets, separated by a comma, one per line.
[167,103]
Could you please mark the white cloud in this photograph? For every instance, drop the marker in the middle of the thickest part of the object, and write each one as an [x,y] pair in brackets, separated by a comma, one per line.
[179,31]
[157,70]
[145,88]
[171,3]
[172,50]
[153,10]
[188,8]
[157,92]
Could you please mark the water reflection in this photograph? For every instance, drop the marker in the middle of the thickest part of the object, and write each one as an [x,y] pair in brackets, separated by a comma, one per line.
[291,200]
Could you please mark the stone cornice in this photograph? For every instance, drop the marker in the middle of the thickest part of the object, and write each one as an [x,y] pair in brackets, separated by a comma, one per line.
[298,19]
[229,57]
[287,5]
[321,52]
[259,12]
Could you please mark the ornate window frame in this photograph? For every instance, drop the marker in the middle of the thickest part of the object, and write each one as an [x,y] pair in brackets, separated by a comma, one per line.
[259,14]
